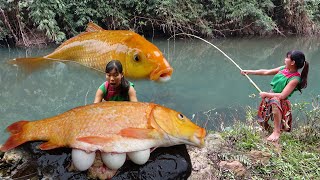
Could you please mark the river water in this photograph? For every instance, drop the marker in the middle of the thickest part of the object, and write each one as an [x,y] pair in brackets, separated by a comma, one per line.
[205,85]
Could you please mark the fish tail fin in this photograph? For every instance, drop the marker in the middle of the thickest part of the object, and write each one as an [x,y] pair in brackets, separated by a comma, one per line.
[26,60]
[16,127]
[30,64]
[16,138]
[13,141]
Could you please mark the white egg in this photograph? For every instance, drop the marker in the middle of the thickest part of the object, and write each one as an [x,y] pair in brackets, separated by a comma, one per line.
[81,159]
[113,160]
[139,157]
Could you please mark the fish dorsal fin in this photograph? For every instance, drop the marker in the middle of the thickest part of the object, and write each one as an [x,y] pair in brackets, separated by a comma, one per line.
[97,140]
[92,27]
[140,133]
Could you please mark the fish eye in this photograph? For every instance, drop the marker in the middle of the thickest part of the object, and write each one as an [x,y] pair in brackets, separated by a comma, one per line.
[180,116]
[136,58]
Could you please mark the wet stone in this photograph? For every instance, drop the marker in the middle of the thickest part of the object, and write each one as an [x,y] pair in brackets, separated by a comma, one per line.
[164,163]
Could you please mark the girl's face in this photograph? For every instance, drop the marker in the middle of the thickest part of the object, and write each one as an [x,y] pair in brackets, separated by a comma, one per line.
[114,78]
[288,62]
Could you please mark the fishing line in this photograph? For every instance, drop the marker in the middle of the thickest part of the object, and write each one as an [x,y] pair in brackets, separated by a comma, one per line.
[254,84]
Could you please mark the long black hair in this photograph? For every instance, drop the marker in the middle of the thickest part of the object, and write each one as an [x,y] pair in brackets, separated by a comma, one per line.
[124,84]
[300,61]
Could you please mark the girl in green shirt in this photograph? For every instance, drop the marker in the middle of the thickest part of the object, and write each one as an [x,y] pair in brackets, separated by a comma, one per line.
[116,88]
[285,82]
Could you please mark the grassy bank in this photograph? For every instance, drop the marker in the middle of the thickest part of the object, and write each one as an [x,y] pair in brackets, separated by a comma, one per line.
[242,152]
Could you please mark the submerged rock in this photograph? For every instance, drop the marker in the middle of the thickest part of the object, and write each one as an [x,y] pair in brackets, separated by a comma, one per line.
[28,162]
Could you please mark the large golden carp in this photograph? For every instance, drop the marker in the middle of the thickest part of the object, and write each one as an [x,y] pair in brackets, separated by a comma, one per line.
[115,127]
[96,47]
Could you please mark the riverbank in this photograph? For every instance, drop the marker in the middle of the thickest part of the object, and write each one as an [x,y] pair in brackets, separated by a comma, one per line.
[242,151]
[247,155]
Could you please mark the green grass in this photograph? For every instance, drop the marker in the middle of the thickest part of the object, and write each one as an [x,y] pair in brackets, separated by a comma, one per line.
[297,157]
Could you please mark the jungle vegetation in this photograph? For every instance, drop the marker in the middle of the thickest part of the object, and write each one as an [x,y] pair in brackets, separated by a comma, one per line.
[31,22]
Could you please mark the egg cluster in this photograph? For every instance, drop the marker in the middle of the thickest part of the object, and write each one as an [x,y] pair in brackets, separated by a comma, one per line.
[83,160]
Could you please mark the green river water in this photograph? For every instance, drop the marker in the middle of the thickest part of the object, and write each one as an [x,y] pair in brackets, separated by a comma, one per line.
[205,85]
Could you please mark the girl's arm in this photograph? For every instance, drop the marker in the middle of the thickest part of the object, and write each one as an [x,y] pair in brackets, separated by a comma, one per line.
[99,96]
[261,71]
[285,93]
[132,94]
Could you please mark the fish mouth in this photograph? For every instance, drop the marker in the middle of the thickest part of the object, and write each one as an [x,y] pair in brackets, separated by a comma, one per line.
[198,138]
[162,75]
[196,141]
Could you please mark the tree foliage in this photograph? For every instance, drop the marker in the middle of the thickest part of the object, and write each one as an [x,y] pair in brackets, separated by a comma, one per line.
[30,22]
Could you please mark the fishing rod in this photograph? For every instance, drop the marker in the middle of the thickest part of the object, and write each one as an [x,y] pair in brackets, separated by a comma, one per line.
[254,84]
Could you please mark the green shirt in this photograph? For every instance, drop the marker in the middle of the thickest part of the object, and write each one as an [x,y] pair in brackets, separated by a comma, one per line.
[113,96]
[282,78]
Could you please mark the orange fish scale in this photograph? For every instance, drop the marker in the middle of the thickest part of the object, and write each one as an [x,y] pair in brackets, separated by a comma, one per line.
[99,121]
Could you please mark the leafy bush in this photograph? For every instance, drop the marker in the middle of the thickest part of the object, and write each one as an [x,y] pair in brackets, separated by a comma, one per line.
[59,20]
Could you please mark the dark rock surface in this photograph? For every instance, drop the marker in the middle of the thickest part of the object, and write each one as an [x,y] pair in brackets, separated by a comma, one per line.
[164,163]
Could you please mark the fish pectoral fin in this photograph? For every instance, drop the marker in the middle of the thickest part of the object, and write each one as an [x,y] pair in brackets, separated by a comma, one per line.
[139,133]
[48,145]
[92,27]
[97,140]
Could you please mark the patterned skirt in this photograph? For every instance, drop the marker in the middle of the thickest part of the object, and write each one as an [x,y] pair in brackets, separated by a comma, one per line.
[265,112]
